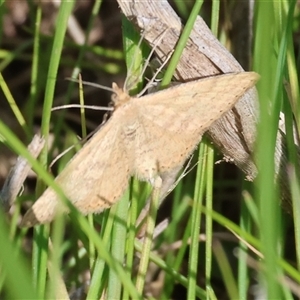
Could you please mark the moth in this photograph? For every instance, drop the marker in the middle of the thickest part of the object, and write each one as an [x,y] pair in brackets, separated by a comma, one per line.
[145,137]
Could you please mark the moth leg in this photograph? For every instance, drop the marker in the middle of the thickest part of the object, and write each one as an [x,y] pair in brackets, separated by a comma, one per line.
[150,209]
[153,177]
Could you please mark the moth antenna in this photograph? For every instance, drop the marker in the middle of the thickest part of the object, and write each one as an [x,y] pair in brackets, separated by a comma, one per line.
[94,107]
[96,85]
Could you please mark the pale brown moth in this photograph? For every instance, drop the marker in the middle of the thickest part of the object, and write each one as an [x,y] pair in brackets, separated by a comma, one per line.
[145,137]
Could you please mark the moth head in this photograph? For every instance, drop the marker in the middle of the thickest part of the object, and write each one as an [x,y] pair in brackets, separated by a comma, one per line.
[119,96]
